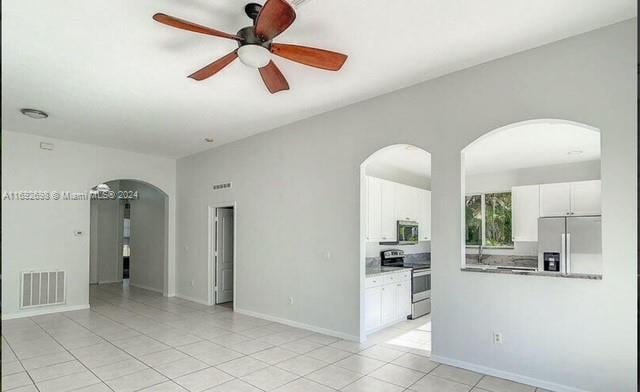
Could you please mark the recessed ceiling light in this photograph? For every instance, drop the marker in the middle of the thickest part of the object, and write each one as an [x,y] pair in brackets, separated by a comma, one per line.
[575,152]
[208,139]
[34,113]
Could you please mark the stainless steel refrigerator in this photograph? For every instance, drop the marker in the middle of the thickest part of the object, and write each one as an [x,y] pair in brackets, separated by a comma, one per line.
[577,240]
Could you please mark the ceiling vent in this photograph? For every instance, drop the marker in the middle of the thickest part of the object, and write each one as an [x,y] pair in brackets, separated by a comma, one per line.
[218,187]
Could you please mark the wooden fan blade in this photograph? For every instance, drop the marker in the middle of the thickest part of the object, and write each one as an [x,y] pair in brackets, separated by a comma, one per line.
[214,67]
[318,58]
[273,78]
[186,25]
[274,18]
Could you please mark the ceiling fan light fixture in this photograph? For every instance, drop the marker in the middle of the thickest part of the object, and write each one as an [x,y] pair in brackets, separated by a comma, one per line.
[254,56]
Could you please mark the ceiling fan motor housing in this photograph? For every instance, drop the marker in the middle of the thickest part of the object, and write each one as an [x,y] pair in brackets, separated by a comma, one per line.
[252,10]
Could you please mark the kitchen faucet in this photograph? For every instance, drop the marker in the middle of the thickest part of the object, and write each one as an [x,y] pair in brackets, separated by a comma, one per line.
[480,254]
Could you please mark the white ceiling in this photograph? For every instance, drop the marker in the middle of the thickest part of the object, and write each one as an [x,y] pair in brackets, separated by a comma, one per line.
[532,145]
[401,158]
[108,74]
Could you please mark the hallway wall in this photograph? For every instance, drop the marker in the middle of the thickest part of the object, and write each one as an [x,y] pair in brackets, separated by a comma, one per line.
[148,236]
[39,235]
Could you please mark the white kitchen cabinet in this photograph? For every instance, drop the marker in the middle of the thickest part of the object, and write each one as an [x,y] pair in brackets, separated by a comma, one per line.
[555,199]
[404,299]
[372,301]
[374,193]
[525,202]
[424,214]
[388,202]
[389,303]
[585,197]
[388,193]
[570,198]
[387,300]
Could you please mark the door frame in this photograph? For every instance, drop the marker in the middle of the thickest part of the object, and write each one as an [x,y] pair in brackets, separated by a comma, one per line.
[211,252]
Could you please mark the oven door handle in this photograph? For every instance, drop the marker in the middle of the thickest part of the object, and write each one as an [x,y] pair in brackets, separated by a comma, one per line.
[421,273]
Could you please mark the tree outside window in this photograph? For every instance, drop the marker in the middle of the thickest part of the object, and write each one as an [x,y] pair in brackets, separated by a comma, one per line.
[488,219]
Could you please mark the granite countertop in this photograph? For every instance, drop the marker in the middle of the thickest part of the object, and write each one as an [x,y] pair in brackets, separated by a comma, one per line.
[381,270]
[532,273]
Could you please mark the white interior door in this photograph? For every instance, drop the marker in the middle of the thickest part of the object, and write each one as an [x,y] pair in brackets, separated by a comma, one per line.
[224,255]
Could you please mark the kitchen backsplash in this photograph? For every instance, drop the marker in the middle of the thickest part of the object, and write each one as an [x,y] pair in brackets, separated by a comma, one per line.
[373,249]
[424,257]
[503,260]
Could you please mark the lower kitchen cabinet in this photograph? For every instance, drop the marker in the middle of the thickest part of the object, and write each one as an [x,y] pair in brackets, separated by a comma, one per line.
[387,300]
[372,301]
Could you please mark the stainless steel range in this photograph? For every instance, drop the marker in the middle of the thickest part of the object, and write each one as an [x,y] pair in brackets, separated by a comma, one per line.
[420,280]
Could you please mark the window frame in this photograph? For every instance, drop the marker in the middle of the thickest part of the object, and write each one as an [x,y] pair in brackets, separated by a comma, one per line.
[484,218]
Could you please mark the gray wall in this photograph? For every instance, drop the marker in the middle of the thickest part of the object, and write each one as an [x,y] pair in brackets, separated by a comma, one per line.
[148,236]
[503,181]
[298,195]
[106,239]
[400,176]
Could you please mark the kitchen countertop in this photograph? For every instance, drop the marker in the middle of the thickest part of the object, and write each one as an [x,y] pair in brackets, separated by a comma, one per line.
[494,270]
[381,270]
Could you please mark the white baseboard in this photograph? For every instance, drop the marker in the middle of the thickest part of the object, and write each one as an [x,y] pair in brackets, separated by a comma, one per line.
[297,324]
[506,375]
[43,310]
[196,300]
[145,287]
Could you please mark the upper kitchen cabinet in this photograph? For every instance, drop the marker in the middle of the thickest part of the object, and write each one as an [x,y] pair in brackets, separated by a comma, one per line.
[373,208]
[585,197]
[406,202]
[555,199]
[389,202]
[570,198]
[424,214]
[388,196]
[525,202]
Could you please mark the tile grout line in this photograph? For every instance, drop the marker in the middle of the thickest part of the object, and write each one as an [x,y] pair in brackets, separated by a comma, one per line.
[21,364]
[76,358]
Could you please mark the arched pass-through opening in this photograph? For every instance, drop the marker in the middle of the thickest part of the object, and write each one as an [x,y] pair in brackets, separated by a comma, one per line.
[129,222]
[531,200]
[395,247]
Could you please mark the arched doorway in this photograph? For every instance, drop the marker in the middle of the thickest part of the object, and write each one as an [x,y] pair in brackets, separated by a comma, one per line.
[395,248]
[129,235]
[531,199]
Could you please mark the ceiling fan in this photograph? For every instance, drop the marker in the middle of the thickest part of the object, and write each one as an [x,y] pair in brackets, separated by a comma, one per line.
[255,44]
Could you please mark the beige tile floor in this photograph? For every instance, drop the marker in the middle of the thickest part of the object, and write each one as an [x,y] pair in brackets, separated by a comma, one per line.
[137,340]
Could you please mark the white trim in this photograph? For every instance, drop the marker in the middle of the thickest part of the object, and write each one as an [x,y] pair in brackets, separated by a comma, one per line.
[108,282]
[506,375]
[297,324]
[38,312]
[211,260]
[192,299]
[140,286]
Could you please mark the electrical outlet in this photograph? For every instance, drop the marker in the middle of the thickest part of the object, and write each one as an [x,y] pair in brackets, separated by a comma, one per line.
[290,300]
[497,338]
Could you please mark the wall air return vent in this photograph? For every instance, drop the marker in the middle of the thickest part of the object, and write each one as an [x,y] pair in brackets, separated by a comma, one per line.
[218,187]
[42,288]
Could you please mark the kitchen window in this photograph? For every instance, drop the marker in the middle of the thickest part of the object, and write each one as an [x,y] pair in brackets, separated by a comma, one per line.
[488,220]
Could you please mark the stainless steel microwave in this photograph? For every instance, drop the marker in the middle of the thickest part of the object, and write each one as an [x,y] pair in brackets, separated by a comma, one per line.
[407,232]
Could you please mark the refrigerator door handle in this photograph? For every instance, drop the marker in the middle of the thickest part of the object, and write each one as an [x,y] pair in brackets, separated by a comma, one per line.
[568,253]
[563,254]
